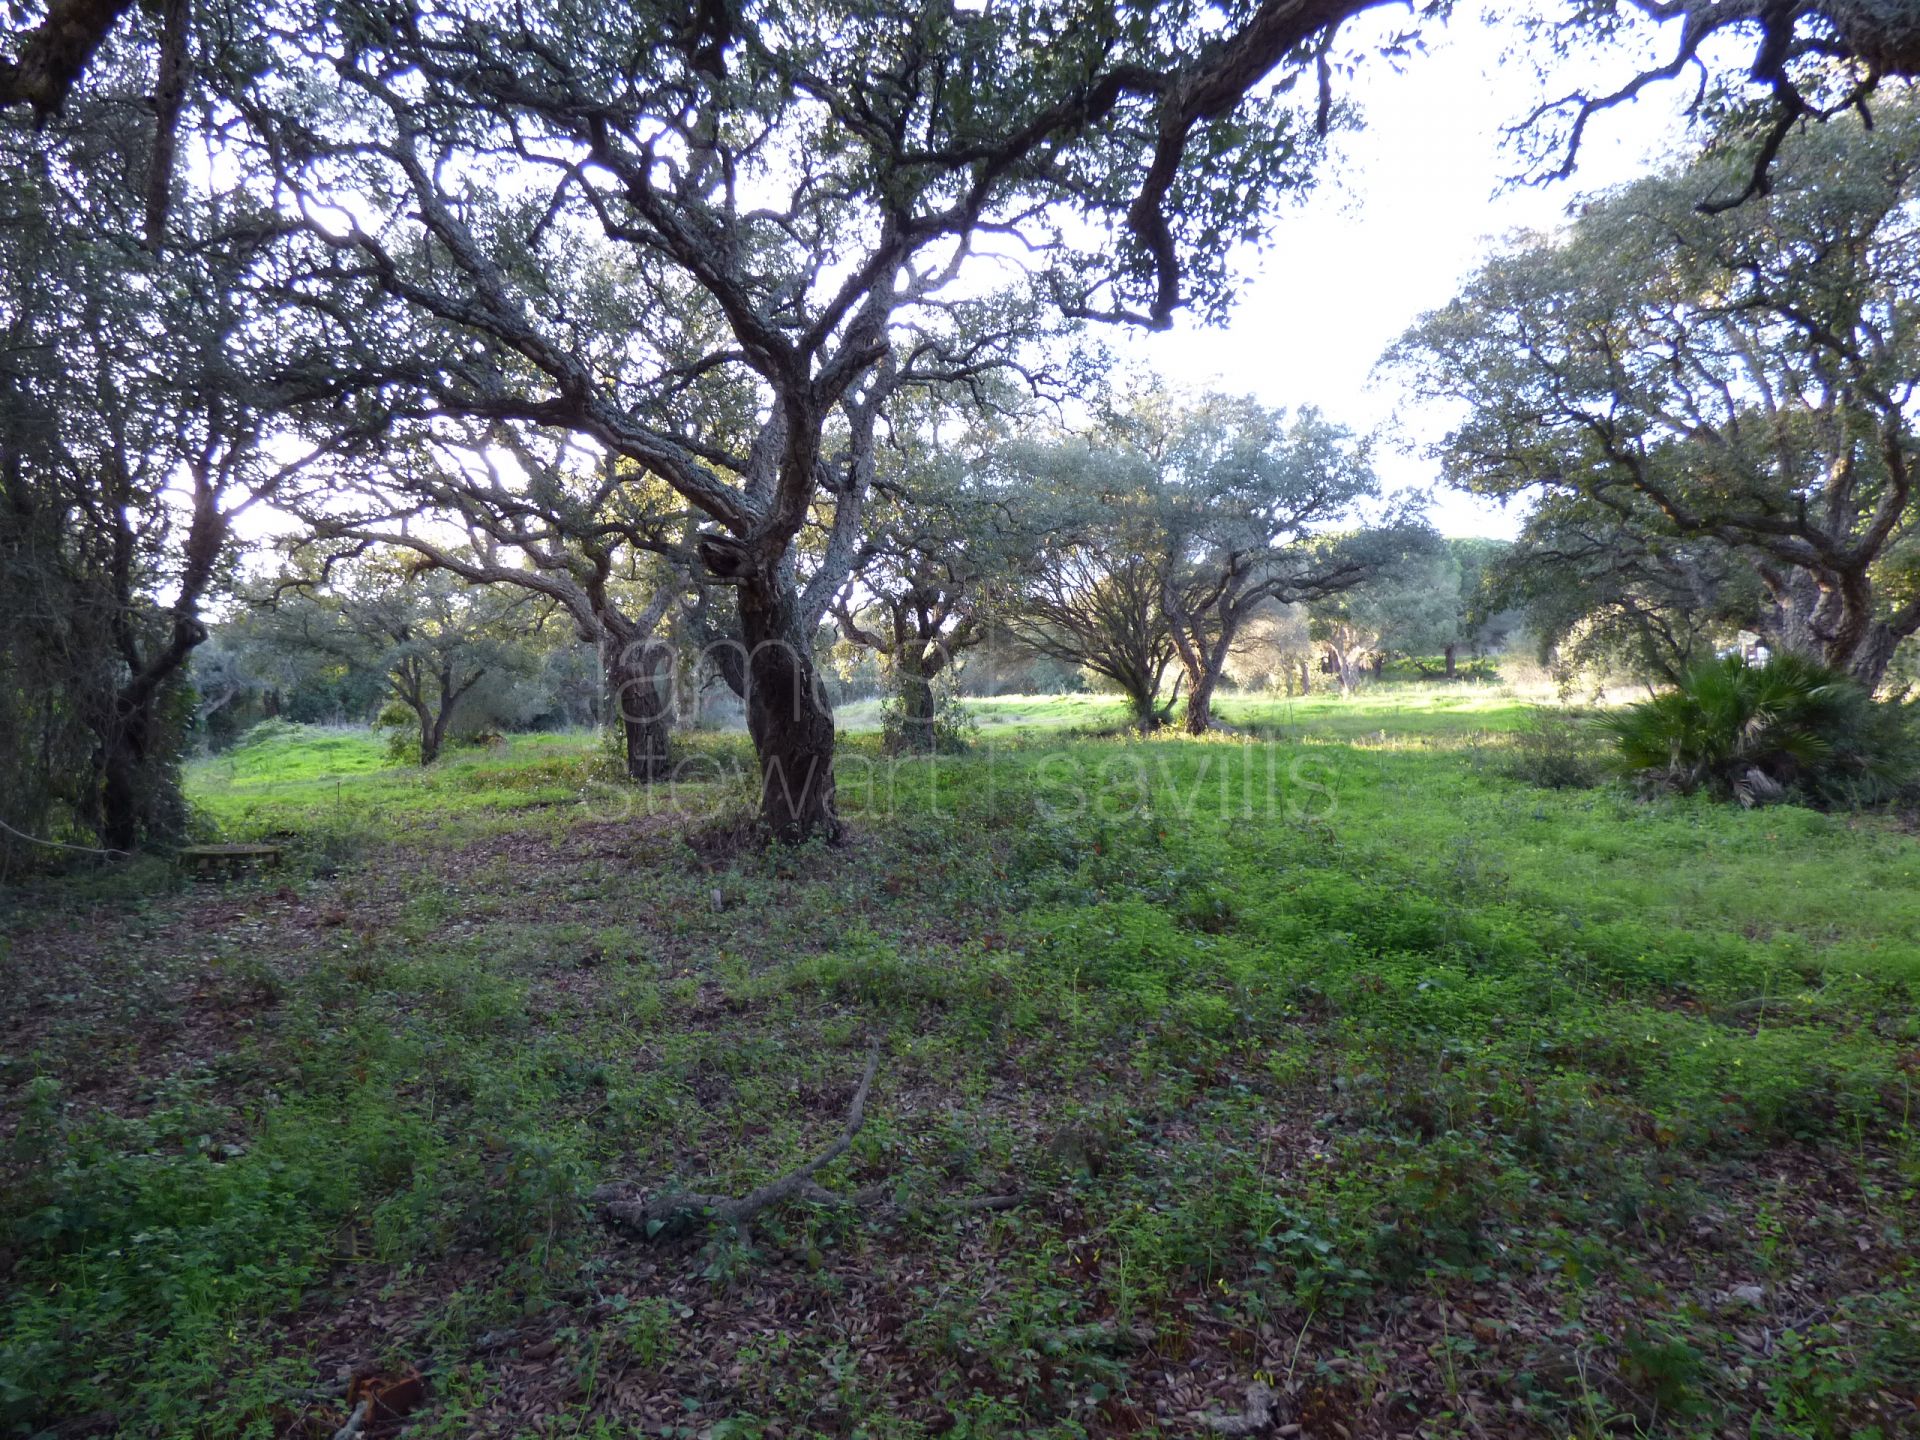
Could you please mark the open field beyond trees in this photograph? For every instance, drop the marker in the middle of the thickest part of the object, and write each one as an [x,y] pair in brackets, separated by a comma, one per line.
[1322,1060]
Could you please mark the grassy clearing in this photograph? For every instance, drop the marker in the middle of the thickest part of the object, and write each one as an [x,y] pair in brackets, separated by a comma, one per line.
[1389,710]
[1011,713]
[335,777]
[1338,1062]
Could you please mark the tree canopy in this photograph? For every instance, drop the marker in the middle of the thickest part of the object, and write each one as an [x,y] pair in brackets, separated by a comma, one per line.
[1742,378]
[1160,533]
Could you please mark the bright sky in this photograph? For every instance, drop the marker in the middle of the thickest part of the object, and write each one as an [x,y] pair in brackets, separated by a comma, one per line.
[1408,207]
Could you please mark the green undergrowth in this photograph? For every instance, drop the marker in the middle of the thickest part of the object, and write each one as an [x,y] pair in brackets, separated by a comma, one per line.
[1293,1048]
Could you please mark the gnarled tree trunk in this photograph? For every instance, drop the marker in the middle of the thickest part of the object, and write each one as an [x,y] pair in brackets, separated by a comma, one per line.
[1874,655]
[788,714]
[637,672]
[123,761]
[788,717]
[131,725]
[1200,704]
[1344,666]
[430,735]
[916,701]
[1833,622]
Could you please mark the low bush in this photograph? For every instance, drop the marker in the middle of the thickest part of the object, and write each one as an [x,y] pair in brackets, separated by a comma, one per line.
[951,731]
[401,731]
[1787,729]
[1556,748]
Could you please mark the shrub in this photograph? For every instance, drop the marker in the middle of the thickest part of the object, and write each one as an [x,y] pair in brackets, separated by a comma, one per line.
[397,723]
[952,731]
[1556,748]
[1758,733]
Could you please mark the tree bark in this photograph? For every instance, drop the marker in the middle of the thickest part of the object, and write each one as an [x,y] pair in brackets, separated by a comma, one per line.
[1451,652]
[1340,665]
[1869,662]
[55,53]
[916,704]
[123,758]
[126,729]
[787,711]
[1146,715]
[429,735]
[1200,705]
[635,670]
[1832,624]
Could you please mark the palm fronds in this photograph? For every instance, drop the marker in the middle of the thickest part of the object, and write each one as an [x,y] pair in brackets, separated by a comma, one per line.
[1757,733]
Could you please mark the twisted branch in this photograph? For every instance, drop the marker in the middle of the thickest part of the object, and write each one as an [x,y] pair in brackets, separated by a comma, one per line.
[652,1215]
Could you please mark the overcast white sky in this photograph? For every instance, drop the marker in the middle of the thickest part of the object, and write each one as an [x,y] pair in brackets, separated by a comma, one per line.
[1407,208]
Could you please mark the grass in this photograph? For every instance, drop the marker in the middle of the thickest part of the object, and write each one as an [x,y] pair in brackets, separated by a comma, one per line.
[1328,1057]
[1400,709]
[303,772]
[1010,713]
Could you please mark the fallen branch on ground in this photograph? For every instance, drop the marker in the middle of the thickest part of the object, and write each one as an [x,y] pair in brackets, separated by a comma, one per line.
[969,1204]
[356,1422]
[650,1216]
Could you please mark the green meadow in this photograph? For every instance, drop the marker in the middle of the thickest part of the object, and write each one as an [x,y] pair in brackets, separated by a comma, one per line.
[1326,1073]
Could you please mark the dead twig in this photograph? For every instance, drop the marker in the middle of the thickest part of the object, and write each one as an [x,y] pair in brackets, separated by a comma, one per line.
[650,1217]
